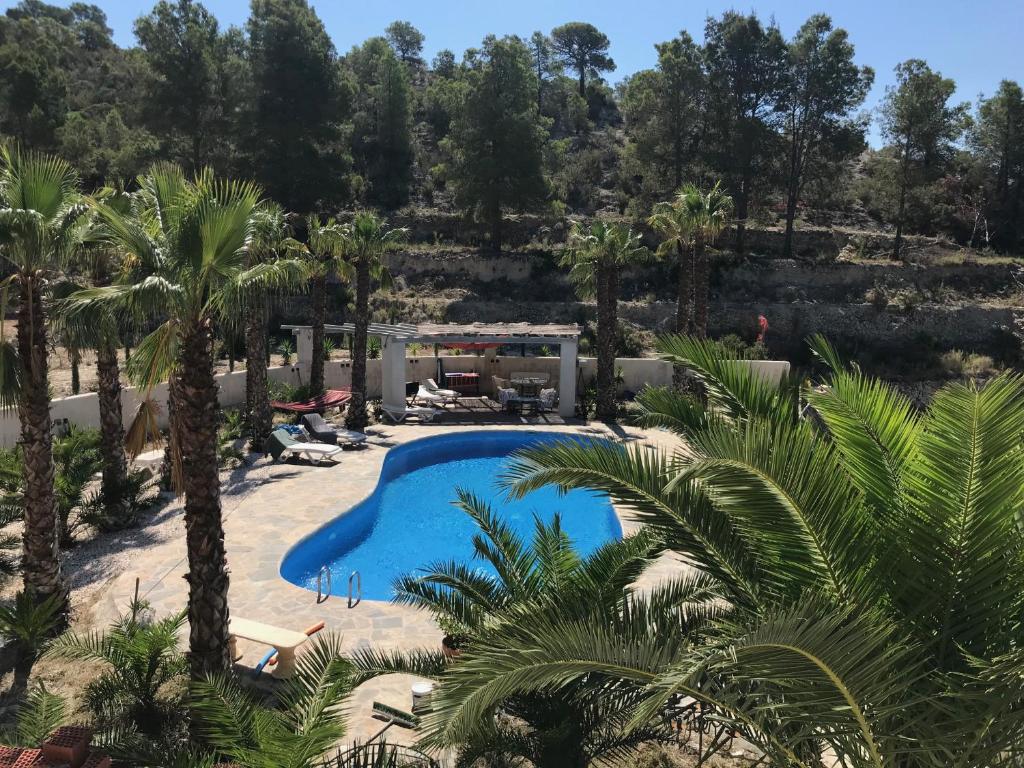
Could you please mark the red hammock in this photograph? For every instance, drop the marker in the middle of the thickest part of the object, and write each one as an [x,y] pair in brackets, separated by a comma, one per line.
[332,398]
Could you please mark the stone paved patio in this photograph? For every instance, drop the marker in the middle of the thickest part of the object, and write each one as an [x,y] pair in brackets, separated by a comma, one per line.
[267,508]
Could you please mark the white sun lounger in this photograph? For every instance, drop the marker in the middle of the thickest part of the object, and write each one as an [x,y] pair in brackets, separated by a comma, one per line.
[312,451]
[399,413]
[426,396]
[449,395]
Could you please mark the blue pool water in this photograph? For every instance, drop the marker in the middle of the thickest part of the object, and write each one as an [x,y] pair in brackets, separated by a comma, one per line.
[409,522]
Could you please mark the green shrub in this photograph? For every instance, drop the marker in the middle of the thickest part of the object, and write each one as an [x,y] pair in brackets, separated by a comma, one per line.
[141,662]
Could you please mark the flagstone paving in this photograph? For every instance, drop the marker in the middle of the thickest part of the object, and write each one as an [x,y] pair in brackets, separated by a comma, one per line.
[267,508]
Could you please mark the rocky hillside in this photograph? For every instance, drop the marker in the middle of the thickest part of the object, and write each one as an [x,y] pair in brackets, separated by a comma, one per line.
[899,317]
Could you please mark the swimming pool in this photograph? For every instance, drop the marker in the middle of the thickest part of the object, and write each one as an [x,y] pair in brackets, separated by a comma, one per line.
[409,521]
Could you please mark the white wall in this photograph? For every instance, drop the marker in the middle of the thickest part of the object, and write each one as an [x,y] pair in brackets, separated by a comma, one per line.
[83,410]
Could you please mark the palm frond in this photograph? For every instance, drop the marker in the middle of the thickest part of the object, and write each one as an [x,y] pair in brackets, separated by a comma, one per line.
[733,386]
[967,490]
[636,478]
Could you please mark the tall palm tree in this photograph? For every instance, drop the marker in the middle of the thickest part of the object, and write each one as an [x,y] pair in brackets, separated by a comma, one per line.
[595,257]
[42,222]
[691,222]
[189,241]
[325,239]
[272,240]
[551,728]
[102,332]
[866,568]
[366,240]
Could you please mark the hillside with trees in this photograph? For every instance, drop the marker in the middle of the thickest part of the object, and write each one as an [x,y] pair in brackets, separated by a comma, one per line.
[490,155]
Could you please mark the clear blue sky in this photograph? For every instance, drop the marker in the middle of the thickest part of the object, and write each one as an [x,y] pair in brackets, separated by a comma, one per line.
[976,43]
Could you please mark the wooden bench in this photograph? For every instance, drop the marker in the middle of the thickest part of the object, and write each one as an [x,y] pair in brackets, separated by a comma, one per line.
[284,641]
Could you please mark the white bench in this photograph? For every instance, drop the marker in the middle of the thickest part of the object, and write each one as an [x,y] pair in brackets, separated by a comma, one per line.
[285,641]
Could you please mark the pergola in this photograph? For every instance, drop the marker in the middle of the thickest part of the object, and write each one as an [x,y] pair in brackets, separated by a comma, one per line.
[394,339]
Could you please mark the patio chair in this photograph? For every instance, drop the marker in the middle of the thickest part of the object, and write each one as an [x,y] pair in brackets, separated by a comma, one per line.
[399,413]
[548,399]
[450,395]
[508,398]
[328,433]
[281,444]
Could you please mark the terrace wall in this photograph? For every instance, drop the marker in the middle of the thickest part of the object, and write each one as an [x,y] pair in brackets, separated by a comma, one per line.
[83,410]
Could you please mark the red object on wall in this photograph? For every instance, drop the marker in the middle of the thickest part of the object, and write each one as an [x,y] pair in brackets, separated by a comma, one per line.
[762,323]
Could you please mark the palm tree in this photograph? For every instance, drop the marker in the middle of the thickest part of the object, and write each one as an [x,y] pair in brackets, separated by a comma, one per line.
[189,241]
[305,719]
[325,249]
[42,221]
[691,222]
[866,574]
[272,239]
[141,661]
[102,331]
[595,257]
[553,727]
[366,240]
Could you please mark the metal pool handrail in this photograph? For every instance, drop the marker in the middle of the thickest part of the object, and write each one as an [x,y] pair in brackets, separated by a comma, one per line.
[359,589]
[320,596]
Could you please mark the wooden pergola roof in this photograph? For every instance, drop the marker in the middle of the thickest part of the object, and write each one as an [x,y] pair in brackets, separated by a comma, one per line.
[442,333]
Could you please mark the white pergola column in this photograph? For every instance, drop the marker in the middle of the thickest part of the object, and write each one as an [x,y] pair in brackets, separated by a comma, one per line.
[392,372]
[303,347]
[567,379]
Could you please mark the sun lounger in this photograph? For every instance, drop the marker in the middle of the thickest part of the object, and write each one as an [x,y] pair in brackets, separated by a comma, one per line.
[280,444]
[399,413]
[328,433]
[449,395]
[425,396]
[285,641]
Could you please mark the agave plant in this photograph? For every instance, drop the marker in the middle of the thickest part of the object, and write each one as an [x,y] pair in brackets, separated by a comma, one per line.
[561,725]
[864,570]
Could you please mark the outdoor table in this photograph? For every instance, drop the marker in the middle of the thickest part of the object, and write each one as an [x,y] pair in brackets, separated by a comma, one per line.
[528,386]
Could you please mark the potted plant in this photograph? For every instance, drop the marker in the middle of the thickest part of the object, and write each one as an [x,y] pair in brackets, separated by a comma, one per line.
[456,637]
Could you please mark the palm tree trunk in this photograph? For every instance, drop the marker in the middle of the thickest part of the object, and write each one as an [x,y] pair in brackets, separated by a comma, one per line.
[684,302]
[75,358]
[316,366]
[41,564]
[701,289]
[195,409]
[257,400]
[607,287]
[115,465]
[355,416]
